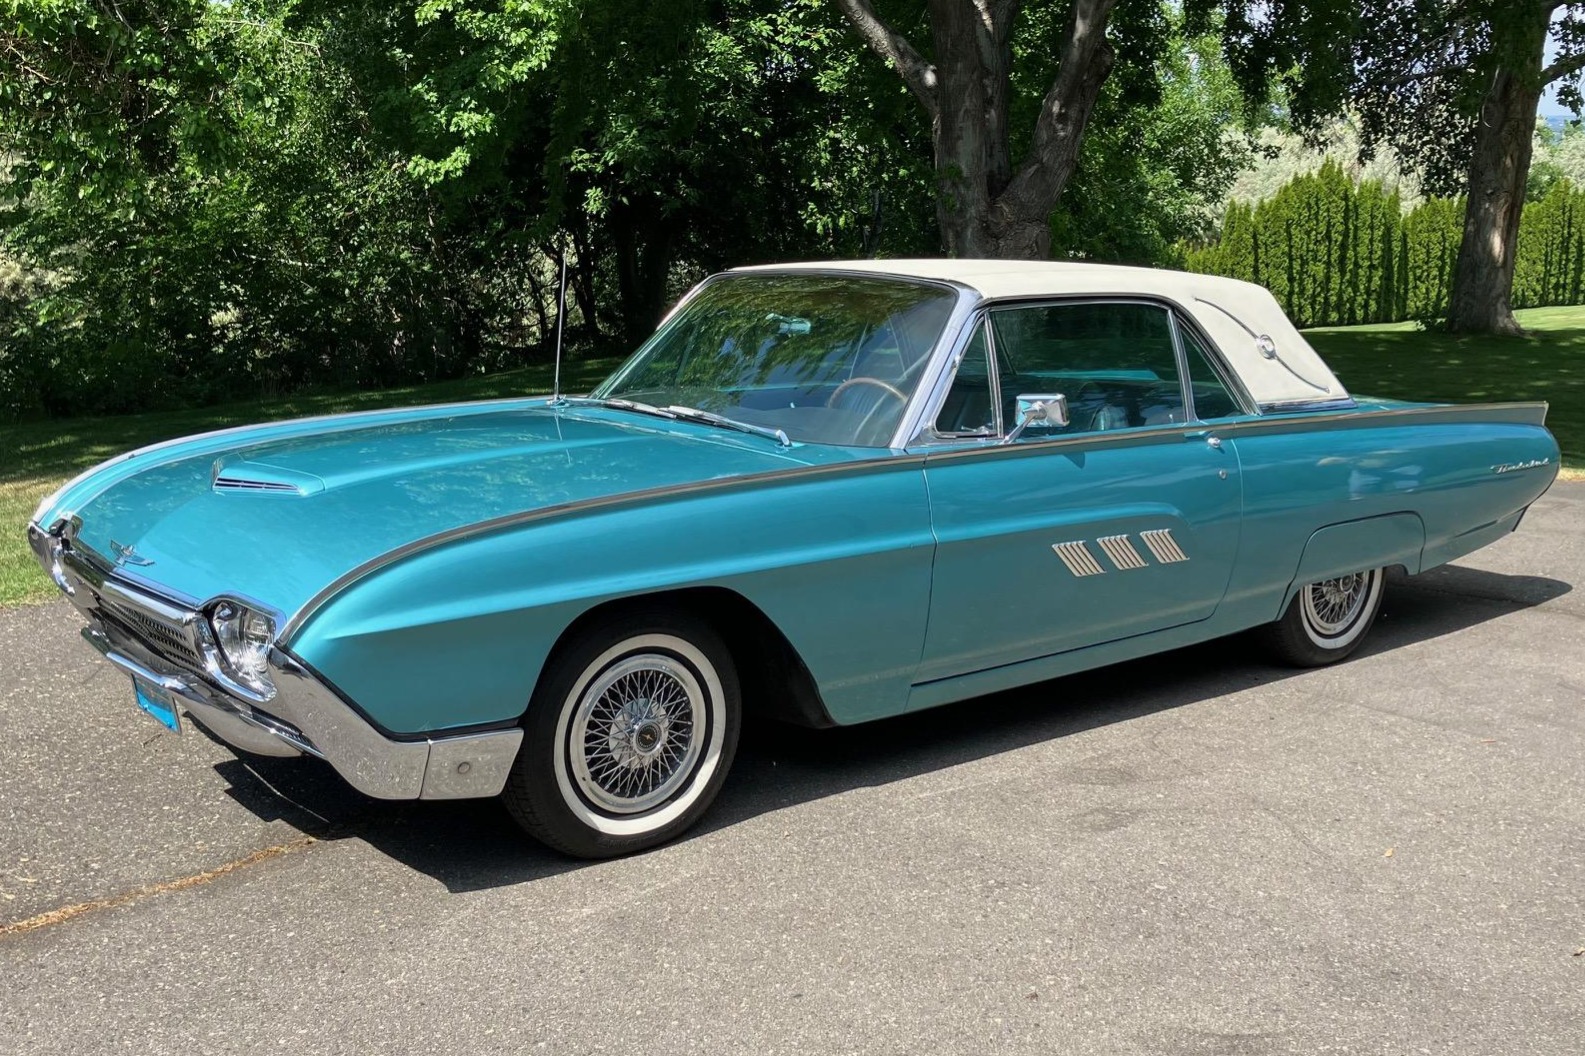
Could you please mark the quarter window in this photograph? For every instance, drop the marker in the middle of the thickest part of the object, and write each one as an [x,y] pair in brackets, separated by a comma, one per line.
[1211,396]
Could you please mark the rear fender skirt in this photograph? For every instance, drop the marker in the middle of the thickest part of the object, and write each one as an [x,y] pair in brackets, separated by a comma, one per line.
[1353,546]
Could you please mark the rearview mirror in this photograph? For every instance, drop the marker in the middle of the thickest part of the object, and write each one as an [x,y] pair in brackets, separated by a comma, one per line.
[1047,410]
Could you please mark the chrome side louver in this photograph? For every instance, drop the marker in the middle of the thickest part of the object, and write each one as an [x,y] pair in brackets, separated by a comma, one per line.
[259,477]
[244,484]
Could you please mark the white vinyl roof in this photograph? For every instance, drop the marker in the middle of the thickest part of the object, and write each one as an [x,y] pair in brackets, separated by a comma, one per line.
[1236,315]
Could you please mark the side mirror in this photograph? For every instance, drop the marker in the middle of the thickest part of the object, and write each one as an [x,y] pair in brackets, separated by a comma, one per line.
[1047,410]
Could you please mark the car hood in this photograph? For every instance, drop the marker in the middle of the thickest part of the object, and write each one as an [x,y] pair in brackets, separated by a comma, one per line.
[276,513]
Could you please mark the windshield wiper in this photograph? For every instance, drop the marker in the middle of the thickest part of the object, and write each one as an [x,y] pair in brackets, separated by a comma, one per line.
[621,405]
[694,414]
[679,413]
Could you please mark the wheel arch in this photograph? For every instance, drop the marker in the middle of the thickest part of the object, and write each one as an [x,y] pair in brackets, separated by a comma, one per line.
[775,681]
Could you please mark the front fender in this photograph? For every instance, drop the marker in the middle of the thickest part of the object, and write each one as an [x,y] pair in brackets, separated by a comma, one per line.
[457,634]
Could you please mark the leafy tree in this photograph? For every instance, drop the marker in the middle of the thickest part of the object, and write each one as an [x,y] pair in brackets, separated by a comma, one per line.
[1451,84]
[102,91]
[661,142]
[1153,176]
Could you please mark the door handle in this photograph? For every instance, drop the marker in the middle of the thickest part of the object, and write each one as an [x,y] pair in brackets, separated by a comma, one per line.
[1210,438]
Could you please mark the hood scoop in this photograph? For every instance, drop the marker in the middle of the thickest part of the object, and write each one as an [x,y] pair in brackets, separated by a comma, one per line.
[260,478]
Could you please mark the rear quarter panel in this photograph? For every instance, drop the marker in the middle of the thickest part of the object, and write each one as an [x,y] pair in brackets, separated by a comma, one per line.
[1441,465]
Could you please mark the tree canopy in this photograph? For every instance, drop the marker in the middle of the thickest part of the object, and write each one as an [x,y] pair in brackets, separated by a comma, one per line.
[202,201]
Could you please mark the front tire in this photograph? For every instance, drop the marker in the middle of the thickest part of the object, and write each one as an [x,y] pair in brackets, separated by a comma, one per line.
[1327,620]
[628,736]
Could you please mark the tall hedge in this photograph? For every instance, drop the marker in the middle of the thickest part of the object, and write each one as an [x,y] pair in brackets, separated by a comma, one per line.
[1336,252]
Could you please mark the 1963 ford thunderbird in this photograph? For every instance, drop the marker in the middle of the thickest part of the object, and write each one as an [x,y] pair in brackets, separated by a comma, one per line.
[827,492]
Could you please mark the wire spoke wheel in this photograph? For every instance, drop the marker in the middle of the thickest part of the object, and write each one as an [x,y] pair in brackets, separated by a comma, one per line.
[629,735]
[1331,605]
[1327,619]
[633,740]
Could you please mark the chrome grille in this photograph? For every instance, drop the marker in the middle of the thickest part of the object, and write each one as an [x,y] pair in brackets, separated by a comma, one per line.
[171,641]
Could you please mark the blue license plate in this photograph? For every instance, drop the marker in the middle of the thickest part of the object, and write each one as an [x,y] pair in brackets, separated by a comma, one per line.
[158,703]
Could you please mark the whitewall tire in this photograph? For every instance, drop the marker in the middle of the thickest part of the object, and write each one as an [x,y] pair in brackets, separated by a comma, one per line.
[628,737]
[1327,620]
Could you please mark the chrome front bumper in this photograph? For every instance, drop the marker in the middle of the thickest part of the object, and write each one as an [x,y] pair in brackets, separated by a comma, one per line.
[304,717]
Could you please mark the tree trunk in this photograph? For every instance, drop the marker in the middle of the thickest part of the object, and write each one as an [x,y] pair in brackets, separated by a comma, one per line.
[642,245]
[536,297]
[582,278]
[986,208]
[966,130]
[1498,171]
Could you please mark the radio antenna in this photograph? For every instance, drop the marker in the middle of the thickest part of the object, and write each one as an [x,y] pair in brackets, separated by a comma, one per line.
[561,316]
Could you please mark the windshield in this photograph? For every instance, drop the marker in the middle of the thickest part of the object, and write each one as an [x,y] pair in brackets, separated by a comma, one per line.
[826,359]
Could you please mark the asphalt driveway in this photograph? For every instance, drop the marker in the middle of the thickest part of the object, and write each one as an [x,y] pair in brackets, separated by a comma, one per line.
[1199,853]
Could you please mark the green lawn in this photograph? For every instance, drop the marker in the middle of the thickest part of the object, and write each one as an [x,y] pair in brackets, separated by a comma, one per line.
[1401,361]
[1395,360]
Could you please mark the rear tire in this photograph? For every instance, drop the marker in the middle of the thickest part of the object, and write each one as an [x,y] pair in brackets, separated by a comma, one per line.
[1327,621]
[628,736]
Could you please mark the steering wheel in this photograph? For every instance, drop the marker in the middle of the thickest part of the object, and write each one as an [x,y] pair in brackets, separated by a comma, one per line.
[1108,415]
[888,389]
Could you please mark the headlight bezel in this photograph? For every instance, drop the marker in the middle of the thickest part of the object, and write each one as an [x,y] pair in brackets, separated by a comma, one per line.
[239,637]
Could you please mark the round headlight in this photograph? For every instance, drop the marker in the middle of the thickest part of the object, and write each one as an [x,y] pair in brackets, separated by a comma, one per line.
[244,636]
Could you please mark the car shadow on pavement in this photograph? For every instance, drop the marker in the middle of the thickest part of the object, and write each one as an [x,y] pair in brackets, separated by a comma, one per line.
[470,845]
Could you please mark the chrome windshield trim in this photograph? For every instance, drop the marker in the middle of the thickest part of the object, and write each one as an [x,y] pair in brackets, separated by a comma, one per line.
[936,378]
[925,434]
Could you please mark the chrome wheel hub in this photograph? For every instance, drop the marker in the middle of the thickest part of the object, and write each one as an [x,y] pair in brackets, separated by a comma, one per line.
[1332,605]
[633,740]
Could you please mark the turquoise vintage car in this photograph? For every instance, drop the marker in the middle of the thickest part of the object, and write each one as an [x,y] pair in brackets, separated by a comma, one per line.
[828,492]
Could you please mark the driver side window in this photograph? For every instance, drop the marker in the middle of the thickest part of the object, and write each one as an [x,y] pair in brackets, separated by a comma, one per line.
[1114,362]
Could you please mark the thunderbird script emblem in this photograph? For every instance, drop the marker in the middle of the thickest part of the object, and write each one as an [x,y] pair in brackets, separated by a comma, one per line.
[127,555]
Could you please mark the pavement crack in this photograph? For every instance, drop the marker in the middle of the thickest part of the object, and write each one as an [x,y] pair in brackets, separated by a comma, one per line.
[63,914]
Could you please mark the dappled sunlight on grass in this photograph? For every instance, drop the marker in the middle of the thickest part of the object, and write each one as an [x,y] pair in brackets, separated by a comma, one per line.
[1403,362]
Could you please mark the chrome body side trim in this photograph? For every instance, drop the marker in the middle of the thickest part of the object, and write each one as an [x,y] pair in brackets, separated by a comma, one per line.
[1163,547]
[470,767]
[1121,552]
